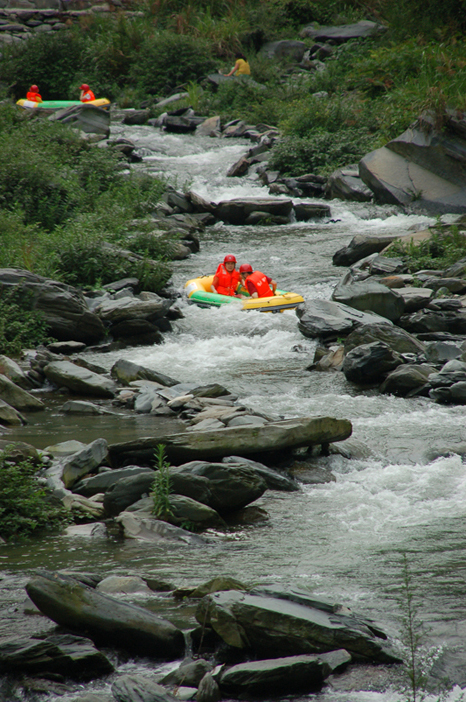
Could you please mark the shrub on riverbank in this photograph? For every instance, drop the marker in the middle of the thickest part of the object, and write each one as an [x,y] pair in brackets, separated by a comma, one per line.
[26,507]
[445,247]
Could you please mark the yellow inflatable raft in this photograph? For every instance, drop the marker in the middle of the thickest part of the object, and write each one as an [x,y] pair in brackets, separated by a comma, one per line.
[60,104]
[198,292]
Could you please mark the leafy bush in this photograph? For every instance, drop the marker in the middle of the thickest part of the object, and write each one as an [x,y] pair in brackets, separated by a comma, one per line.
[20,325]
[26,507]
[161,487]
[168,60]
[321,153]
[445,247]
[52,61]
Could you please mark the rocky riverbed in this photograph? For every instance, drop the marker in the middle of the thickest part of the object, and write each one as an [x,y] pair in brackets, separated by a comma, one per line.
[337,539]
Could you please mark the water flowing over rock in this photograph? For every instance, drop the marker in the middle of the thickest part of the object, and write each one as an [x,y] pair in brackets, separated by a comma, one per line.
[272,626]
[64,308]
[242,441]
[106,620]
[329,320]
[282,675]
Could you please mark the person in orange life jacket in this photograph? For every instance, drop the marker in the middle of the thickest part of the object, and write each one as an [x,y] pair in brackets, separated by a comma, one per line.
[33,94]
[226,278]
[86,93]
[256,283]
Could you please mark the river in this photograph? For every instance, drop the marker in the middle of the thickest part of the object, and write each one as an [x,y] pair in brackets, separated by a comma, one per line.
[346,540]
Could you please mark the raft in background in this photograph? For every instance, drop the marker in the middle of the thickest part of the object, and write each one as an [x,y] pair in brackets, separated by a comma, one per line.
[61,104]
[199,293]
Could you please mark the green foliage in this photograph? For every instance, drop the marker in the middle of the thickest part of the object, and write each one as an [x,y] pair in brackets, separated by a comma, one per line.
[26,507]
[51,61]
[168,60]
[445,247]
[161,488]
[321,153]
[20,325]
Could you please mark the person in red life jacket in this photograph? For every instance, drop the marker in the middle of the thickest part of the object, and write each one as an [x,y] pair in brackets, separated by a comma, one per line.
[256,283]
[86,93]
[226,278]
[33,94]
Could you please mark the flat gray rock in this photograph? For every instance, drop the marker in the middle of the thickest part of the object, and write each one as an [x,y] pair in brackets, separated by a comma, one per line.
[81,608]
[327,320]
[80,380]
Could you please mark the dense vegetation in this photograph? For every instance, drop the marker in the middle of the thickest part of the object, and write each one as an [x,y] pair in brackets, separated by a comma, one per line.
[63,205]
[26,507]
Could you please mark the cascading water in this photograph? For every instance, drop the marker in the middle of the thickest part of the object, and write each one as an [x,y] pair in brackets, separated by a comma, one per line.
[343,540]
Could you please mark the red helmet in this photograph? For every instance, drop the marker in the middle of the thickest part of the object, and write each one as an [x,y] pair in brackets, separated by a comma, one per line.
[229,258]
[84,86]
[34,88]
[245,268]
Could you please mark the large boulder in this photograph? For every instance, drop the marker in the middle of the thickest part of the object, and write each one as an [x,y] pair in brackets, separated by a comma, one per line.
[370,296]
[140,688]
[142,527]
[232,486]
[344,32]
[64,308]
[329,320]
[361,246]
[82,462]
[127,372]
[105,619]
[241,441]
[266,625]
[88,118]
[287,675]
[431,321]
[236,211]
[405,380]
[397,339]
[104,481]
[422,168]
[20,399]
[185,510]
[284,49]
[9,416]
[79,380]
[272,478]
[129,308]
[65,654]
[345,184]
[128,490]
[369,363]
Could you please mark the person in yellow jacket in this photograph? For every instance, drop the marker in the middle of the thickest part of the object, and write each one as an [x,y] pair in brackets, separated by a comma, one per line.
[241,67]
